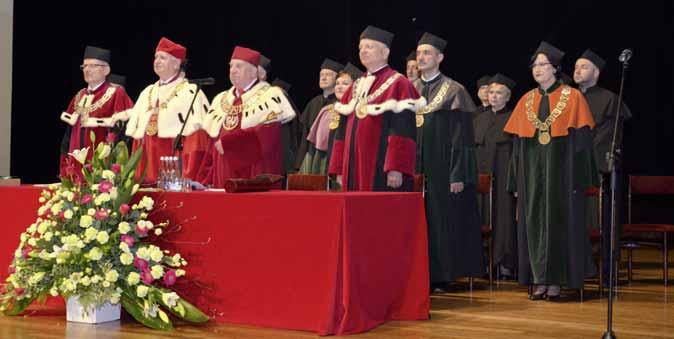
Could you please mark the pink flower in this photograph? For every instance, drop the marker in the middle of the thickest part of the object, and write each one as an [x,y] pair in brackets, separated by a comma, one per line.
[170,277]
[88,167]
[62,215]
[146,277]
[129,240]
[124,209]
[11,270]
[101,214]
[140,264]
[86,199]
[141,231]
[116,168]
[19,290]
[104,186]
[26,251]
[110,138]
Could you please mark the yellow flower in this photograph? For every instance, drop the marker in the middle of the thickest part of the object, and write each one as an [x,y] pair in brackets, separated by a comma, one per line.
[143,253]
[43,227]
[146,203]
[180,272]
[124,227]
[133,278]
[141,291]
[54,291]
[90,234]
[124,247]
[135,189]
[95,254]
[102,237]
[126,258]
[91,212]
[108,175]
[155,254]
[85,281]
[48,236]
[106,284]
[102,198]
[68,214]
[86,221]
[111,276]
[36,278]
[157,271]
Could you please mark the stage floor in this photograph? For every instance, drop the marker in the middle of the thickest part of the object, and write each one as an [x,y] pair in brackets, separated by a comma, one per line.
[645,309]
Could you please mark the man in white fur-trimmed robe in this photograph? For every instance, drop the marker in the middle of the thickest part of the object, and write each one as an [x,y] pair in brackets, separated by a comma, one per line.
[244,123]
[158,115]
[375,150]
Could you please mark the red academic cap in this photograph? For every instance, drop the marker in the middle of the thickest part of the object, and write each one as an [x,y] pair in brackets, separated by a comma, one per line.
[246,54]
[177,50]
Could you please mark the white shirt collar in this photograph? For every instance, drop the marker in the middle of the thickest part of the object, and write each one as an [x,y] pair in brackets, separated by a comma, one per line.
[377,70]
[94,88]
[431,78]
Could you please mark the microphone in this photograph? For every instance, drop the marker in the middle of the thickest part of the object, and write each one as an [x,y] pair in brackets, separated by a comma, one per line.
[203,81]
[625,56]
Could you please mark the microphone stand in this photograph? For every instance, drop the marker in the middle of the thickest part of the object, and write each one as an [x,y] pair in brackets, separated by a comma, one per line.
[178,142]
[612,156]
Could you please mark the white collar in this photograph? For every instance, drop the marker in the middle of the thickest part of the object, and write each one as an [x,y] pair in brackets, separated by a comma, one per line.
[377,70]
[431,78]
[92,89]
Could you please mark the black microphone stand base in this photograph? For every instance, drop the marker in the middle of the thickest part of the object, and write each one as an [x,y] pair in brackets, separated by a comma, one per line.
[608,335]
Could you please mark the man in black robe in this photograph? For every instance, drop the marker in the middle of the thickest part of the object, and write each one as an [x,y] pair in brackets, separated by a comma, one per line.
[446,157]
[493,149]
[327,78]
[603,104]
[482,95]
[411,67]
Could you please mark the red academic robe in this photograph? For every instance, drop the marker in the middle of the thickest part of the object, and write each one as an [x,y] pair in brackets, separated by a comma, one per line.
[368,147]
[80,136]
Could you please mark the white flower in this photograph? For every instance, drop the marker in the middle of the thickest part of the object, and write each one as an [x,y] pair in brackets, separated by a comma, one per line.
[114,299]
[135,189]
[124,247]
[90,234]
[126,258]
[180,272]
[157,271]
[158,231]
[80,155]
[114,193]
[43,227]
[85,281]
[86,220]
[143,253]
[133,278]
[170,299]
[102,237]
[150,310]
[141,291]
[102,198]
[106,284]
[68,214]
[156,254]
[54,291]
[124,227]
[103,150]
[108,175]
[36,278]
[48,236]
[32,242]
[111,276]
[32,228]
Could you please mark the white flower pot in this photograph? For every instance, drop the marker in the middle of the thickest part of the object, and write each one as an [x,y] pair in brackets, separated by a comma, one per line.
[76,313]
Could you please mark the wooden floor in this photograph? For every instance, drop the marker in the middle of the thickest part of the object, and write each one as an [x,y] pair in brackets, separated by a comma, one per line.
[644,309]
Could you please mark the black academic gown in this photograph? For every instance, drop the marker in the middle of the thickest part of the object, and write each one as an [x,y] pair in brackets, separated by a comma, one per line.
[493,150]
[603,104]
[306,120]
[446,154]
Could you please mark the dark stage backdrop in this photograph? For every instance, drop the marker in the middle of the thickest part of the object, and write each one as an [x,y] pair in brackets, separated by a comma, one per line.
[485,37]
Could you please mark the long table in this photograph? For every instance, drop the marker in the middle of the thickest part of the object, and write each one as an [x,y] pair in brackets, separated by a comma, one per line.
[331,263]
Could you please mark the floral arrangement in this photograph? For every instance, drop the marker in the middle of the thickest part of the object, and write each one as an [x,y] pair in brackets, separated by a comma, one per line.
[90,241]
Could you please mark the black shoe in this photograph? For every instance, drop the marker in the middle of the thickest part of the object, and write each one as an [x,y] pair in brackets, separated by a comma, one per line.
[535,297]
[554,298]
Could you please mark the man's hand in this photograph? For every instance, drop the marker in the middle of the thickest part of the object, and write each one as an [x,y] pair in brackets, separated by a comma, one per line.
[339,179]
[394,179]
[218,147]
[456,187]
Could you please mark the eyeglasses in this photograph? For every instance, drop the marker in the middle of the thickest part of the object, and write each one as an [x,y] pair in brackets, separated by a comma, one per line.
[540,65]
[82,67]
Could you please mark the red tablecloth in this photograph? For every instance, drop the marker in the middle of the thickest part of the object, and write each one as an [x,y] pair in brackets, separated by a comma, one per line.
[331,263]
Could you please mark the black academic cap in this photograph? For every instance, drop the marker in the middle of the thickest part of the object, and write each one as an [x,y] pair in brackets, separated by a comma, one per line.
[433,40]
[503,80]
[484,81]
[553,53]
[332,65]
[117,79]
[282,84]
[412,56]
[377,34]
[352,70]
[265,63]
[594,58]
[91,52]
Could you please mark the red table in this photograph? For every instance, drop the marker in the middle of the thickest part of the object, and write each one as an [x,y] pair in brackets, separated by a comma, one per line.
[331,263]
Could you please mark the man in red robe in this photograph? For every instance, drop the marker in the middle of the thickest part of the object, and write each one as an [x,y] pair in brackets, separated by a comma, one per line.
[245,123]
[91,108]
[376,149]
[157,118]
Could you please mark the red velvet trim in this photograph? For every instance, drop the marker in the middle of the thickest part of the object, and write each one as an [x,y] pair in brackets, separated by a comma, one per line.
[401,155]
[336,158]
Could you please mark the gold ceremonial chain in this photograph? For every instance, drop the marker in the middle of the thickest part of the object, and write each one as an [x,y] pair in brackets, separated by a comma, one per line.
[361,107]
[152,127]
[544,127]
[231,112]
[437,101]
[85,111]
[173,95]
[334,117]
